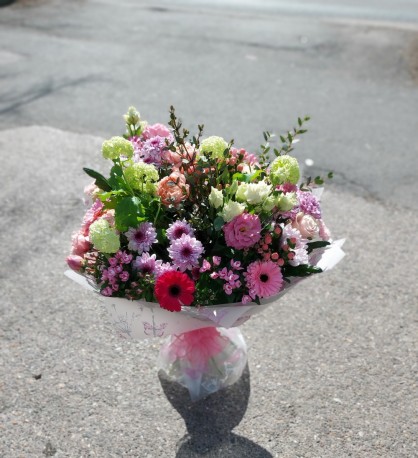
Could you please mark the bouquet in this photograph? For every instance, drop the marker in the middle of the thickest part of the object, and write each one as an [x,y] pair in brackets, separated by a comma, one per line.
[189,235]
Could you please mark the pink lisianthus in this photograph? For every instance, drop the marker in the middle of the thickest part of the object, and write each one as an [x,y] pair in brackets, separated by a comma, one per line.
[75,262]
[173,189]
[156,130]
[243,231]
[80,245]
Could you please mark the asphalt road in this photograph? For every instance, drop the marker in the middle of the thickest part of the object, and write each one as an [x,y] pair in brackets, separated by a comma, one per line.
[333,368]
[239,69]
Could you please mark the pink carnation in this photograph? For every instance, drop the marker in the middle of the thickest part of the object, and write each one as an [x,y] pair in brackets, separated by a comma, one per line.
[156,130]
[243,231]
[93,213]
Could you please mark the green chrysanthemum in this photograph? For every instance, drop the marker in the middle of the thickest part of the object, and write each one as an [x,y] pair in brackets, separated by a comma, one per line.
[116,147]
[284,169]
[142,177]
[214,147]
[103,237]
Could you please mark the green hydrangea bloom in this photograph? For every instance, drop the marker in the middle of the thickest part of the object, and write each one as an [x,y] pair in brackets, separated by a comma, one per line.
[116,147]
[142,177]
[213,147]
[103,237]
[284,169]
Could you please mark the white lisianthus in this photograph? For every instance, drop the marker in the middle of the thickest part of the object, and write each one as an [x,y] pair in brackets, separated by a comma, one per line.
[269,203]
[216,198]
[241,193]
[231,210]
[257,192]
[286,202]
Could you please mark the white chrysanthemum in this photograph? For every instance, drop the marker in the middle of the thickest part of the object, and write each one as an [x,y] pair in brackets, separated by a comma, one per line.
[216,198]
[231,210]
[257,192]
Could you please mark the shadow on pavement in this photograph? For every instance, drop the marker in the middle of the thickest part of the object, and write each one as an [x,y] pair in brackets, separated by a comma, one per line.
[210,421]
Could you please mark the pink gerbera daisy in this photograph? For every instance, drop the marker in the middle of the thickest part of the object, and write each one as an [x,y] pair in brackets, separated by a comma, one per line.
[264,279]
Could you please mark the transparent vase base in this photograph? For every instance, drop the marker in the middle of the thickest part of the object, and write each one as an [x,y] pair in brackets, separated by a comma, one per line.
[205,360]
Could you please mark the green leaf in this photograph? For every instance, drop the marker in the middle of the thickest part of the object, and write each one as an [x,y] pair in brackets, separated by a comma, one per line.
[319,180]
[101,181]
[330,175]
[129,211]
[303,270]
[116,179]
[314,245]
[218,223]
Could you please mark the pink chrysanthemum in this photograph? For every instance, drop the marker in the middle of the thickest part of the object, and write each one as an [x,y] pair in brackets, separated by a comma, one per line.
[147,264]
[178,228]
[185,252]
[264,279]
[141,238]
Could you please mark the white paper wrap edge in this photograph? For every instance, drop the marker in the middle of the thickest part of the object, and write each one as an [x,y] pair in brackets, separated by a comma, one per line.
[141,320]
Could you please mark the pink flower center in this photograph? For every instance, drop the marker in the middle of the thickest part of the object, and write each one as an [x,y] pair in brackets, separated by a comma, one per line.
[139,236]
[179,232]
[264,278]
[186,251]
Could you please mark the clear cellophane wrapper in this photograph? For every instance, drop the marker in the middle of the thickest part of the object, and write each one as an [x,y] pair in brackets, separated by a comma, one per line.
[205,360]
[140,320]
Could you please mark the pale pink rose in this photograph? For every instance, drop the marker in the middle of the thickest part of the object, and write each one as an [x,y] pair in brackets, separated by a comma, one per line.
[243,231]
[172,158]
[80,244]
[75,262]
[306,225]
[177,158]
[324,232]
[173,189]
[156,130]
